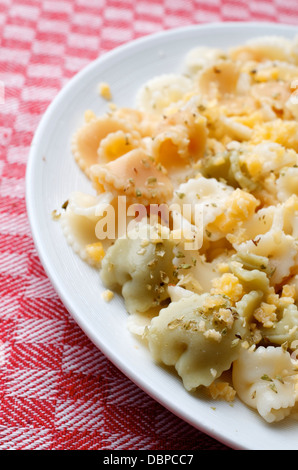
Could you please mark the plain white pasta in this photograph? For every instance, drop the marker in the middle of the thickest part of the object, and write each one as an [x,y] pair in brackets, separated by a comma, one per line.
[176,293]
[235,129]
[273,157]
[88,205]
[265,380]
[286,70]
[287,183]
[206,197]
[79,222]
[270,47]
[194,272]
[202,56]
[268,239]
[155,96]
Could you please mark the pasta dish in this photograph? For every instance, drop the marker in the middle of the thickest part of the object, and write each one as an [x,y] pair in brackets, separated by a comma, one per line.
[193,219]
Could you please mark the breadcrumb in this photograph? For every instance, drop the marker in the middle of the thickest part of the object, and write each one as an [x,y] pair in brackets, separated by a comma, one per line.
[89,115]
[105,91]
[228,285]
[222,390]
[95,251]
[107,295]
[213,334]
[266,315]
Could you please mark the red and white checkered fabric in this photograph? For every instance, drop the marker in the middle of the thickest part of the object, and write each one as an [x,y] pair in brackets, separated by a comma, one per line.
[57,391]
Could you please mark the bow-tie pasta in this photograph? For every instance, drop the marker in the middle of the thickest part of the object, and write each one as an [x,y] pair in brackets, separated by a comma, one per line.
[266,379]
[140,265]
[199,335]
[193,219]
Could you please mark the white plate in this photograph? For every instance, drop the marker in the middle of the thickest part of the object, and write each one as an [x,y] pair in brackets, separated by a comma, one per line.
[52,174]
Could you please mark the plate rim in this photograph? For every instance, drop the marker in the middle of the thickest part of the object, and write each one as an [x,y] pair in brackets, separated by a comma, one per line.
[37,238]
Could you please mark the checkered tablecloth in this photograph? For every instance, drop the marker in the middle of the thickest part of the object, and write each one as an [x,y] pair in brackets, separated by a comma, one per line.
[57,391]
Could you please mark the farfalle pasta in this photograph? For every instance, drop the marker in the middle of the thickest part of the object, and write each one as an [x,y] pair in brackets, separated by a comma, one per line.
[192,217]
[266,380]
